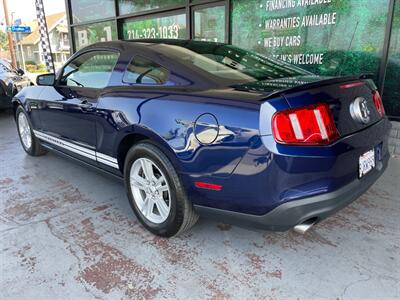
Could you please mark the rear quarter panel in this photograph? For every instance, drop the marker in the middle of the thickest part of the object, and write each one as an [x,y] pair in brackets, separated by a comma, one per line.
[170,118]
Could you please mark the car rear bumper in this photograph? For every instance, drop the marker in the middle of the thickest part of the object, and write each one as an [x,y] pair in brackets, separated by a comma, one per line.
[292,213]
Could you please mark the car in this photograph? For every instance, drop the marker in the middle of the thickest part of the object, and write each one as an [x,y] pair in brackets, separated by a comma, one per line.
[11,82]
[208,129]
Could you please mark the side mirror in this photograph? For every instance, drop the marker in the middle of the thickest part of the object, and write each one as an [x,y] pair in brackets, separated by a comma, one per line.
[20,72]
[46,79]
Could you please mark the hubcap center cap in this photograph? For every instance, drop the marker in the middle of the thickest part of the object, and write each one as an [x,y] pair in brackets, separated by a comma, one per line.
[153,190]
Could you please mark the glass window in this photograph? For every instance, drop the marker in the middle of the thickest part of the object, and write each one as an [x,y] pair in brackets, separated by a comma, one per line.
[129,6]
[209,24]
[92,69]
[391,94]
[143,71]
[330,37]
[85,35]
[5,66]
[169,27]
[230,63]
[89,10]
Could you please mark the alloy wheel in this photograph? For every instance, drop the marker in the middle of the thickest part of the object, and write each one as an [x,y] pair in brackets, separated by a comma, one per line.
[150,190]
[24,130]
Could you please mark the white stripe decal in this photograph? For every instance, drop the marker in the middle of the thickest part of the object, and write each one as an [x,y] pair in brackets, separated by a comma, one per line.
[106,157]
[58,141]
[106,162]
[65,145]
[94,155]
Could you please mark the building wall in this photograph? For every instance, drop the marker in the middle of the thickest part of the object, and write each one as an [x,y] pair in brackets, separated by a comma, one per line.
[327,37]
[59,42]
[394,139]
[392,86]
[54,37]
[31,53]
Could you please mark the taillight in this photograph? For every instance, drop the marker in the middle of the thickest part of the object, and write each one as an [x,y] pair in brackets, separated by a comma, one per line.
[352,85]
[311,125]
[378,103]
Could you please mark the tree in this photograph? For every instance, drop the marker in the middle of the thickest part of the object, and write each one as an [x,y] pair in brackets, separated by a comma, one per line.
[3,40]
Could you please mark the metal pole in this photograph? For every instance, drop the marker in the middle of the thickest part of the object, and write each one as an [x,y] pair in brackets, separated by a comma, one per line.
[22,52]
[386,48]
[44,36]
[9,35]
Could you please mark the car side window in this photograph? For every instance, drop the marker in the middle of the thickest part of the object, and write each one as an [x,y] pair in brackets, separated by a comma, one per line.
[144,71]
[92,69]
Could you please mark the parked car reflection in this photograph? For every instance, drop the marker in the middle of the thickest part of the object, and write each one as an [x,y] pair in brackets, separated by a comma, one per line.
[11,82]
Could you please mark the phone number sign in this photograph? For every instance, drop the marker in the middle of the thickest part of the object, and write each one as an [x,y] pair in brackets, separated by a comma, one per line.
[170,27]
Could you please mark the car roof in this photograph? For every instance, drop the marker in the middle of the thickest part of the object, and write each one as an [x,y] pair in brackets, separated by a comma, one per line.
[152,48]
[149,44]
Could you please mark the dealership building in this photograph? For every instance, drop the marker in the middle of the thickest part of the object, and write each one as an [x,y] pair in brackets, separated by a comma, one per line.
[326,37]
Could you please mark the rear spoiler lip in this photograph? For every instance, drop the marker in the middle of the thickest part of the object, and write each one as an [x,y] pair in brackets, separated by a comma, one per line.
[316,84]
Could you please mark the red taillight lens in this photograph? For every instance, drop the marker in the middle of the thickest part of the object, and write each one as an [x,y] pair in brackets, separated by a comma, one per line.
[208,186]
[378,103]
[311,125]
[352,85]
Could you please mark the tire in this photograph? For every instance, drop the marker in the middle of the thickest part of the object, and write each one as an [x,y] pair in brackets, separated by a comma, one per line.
[181,215]
[34,148]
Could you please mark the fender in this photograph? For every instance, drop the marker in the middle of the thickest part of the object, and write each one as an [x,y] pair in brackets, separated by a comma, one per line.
[139,131]
[29,98]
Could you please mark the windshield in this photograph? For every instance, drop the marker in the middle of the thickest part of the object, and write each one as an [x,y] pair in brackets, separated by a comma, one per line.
[5,67]
[232,63]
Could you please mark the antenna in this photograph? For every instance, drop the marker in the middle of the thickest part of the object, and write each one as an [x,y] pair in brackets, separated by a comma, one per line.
[351,43]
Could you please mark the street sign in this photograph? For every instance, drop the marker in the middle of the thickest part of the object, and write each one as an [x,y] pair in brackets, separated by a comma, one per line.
[18,22]
[22,29]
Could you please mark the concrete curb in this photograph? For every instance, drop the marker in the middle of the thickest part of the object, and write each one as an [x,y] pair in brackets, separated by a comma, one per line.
[394,139]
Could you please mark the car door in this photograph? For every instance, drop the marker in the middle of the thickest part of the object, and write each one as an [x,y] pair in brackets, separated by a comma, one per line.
[68,109]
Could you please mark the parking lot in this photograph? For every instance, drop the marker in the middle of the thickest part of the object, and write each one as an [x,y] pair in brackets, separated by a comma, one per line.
[67,232]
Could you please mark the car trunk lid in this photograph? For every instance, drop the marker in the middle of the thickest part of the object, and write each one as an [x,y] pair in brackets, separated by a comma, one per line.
[340,93]
[350,101]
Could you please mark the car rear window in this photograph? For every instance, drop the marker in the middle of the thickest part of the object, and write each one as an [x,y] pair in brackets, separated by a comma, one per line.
[231,63]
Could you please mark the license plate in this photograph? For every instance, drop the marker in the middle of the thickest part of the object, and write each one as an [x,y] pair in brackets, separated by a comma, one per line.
[366,162]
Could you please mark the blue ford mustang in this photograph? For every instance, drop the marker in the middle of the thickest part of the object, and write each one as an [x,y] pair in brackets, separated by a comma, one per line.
[198,128]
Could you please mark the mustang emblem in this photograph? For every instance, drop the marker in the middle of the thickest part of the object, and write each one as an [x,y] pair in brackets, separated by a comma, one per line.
[359,110]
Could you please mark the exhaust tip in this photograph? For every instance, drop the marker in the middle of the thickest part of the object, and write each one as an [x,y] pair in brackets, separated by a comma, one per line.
[305,226]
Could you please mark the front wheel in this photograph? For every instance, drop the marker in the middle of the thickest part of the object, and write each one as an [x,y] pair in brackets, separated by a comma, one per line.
[28,140]
[155,192]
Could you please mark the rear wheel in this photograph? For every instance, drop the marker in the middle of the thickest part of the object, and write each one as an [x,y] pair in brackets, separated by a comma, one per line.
[28,140]
[155,192]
